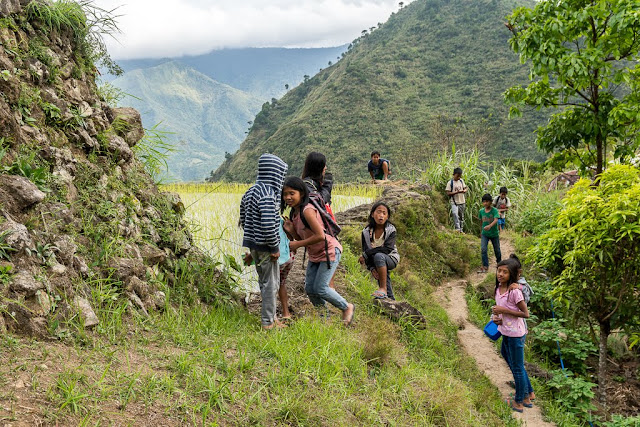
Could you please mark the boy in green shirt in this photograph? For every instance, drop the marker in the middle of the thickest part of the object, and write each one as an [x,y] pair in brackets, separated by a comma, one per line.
[489,217]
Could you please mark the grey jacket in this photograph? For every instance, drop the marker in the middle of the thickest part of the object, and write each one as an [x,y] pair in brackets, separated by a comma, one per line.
[388,247]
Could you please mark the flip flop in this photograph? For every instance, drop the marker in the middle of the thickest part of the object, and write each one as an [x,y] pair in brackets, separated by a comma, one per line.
[353,315]
[379,295]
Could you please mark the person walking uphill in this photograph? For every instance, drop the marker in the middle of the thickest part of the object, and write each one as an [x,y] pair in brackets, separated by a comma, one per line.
[490,233]
[307,228]
[456,189]
[260,221]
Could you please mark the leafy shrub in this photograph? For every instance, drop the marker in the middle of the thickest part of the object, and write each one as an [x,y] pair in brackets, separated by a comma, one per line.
[622,421]
[575,345]
[87,23]
[535,214]
[571,392]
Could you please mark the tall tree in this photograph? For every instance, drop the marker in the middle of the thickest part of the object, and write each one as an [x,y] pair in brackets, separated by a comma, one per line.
[593,253]
[583,56]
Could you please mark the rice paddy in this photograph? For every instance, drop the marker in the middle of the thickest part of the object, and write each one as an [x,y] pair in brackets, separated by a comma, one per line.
[214,210]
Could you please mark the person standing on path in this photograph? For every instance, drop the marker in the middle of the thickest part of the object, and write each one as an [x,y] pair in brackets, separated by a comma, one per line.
[260,221]
[307,229]
[456,190]
[490,233]
[509,314]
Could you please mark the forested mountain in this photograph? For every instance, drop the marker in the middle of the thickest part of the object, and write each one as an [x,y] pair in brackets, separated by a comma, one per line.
[430,77]
[208,100]
[206,118]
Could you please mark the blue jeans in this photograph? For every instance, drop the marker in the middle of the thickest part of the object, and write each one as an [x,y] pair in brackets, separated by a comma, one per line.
[512,351]
[484,245]
[316,283]
[382,260]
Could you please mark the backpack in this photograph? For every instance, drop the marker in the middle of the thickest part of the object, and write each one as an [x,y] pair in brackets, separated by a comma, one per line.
[451,182]
[329,224]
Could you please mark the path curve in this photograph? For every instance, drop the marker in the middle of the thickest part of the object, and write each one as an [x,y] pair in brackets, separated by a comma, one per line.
[475,344]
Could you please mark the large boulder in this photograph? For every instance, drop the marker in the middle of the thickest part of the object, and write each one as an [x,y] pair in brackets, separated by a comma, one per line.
[8,7]
[128,124]
[24,283]
[24,192]
[126,268]
[20,319]
[17,235]
[86,312]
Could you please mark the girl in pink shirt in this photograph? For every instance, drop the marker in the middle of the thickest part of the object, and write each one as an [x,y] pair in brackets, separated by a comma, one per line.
[319,244]
[509,313]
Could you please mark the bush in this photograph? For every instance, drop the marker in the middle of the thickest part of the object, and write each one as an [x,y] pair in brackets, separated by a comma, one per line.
[572,393]
[575,344]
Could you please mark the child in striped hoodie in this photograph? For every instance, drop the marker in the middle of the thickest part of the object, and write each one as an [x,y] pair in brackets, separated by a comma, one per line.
[260,221]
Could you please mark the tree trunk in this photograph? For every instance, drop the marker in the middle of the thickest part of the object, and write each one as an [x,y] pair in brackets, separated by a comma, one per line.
[605,330]
[600,154]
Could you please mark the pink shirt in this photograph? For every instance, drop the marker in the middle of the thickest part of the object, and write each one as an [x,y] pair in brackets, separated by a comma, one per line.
[511,326]
[316,251]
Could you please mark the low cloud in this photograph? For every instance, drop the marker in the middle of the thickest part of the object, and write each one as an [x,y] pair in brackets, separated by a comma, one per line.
[170,28]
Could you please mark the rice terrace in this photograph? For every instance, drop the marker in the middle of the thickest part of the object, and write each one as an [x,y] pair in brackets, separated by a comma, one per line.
[304,213]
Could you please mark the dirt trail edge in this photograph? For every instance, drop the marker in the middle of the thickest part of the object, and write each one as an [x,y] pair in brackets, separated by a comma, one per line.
[477,345]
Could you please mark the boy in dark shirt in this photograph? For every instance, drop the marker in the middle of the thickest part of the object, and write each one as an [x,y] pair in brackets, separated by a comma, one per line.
[378,167]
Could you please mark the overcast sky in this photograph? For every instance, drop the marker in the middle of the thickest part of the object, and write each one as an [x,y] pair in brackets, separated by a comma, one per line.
[168,28]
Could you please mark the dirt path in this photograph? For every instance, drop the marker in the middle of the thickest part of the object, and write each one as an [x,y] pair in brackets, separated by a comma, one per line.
[474,342]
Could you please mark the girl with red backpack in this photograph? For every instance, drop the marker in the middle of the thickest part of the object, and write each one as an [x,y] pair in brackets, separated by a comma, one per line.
[307,228]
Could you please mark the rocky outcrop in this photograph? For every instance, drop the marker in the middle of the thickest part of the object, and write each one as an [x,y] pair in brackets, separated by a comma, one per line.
[76,206]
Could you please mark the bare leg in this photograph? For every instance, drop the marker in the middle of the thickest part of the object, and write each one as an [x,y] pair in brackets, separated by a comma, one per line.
[284,300]
[382,278]
[331,285]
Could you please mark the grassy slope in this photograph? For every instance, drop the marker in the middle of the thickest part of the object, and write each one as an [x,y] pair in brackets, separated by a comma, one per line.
[432,75]
[195,362]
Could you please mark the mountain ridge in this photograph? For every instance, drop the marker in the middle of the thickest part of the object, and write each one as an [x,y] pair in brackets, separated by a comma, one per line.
[429,78]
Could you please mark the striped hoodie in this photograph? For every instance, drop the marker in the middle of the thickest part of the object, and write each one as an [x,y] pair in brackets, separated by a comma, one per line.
[259,216]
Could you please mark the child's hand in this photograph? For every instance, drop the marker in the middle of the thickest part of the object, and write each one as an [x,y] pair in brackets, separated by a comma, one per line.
[486,227]
[496,309]
[288,227]
[361,260]
[497,320]
[375,274]
[293,246]
[514,286]
[275,256]
[247,259]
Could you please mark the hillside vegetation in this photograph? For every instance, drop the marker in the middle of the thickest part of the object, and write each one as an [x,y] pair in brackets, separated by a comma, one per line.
[431,76]
[203,118]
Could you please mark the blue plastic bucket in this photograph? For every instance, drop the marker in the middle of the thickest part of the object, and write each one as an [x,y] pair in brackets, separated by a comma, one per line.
[491,330]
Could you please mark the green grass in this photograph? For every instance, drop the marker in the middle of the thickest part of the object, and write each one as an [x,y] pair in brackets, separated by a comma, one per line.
[213,364]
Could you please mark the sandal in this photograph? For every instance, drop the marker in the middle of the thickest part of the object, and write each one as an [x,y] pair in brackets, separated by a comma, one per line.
[512,397]
[379,295]
[510,402]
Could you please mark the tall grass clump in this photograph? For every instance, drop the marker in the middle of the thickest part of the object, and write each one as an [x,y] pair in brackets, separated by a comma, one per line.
[88,24]
[481,176]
